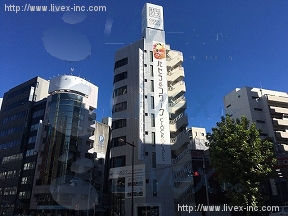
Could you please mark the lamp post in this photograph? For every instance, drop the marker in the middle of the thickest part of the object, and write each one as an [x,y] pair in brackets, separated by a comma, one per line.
[132,195]
[206,182]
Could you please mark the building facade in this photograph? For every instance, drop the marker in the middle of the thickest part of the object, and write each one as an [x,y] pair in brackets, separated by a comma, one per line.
[65,167]
[269,110]
[22,108]
[149,125]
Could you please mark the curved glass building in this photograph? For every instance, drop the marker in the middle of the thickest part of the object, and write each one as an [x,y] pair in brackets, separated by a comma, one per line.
[66,162]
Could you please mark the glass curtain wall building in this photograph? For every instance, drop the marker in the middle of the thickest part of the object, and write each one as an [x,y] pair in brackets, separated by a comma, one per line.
[63,179]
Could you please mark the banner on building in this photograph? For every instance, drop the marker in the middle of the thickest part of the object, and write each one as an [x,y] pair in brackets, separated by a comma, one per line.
[162,131]
[141,107]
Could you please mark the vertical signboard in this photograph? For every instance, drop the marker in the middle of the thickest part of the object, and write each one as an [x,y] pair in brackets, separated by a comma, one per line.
[101,139]
[162,131]
[152,17]
[141,107]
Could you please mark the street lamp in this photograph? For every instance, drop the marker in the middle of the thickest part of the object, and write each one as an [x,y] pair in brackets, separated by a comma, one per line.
[205,178]
[132,196]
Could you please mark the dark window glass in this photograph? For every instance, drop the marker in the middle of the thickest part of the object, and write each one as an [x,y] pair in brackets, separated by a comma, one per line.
[119,107]
[116,141]
[120,91]
[152,102]
[119,123]
[121,63]
[153,159]
[120,77]
[119,161]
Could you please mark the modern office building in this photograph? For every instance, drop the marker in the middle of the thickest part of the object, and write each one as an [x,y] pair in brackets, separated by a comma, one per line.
[149,125]
[269,110]
[68,163]
[22,108]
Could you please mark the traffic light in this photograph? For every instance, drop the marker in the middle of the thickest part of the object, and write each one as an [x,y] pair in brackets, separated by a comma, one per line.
[196,173]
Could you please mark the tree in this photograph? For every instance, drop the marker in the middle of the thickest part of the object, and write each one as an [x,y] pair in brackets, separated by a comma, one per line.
[241,158]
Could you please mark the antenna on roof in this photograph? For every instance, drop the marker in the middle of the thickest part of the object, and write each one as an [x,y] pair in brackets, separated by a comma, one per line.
[71,70]
[261,89]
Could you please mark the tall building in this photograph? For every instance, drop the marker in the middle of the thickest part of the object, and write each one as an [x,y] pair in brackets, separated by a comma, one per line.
[67,159]
[269,110]
[22,109]
[149,125]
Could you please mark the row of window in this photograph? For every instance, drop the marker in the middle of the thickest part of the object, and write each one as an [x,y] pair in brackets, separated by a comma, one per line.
[120,91]
[12,130]
[120,123]
[27,180]
[34,127]
[24,194]
[9,174]
[16,104]
[12,158]
[120,63]
[32,139]
[28,166]
[10,191]
[20,91]
[10,144]
[30,152]
[38,113]
[14,117]
[120,77]
[119,107]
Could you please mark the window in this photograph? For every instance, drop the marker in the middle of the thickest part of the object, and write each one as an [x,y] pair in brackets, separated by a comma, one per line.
[258,109]
[263,134]
[119,107]
[38,113]
[16,104]
[152,102]
[119,123]
[260,121]
[119,161]
[120,91]
[20,91]
[151,56]
[153,138]
[14,117]
[154,187]
[116,141]
[34,127]
[151,70]
[152,86]
[28,166]
[12,130]
[152,120]
[24,194]
[120,77]
[228,106]
[32,139]
[27,180]
[30,152]
[153,159]
[12,158]
[121,63]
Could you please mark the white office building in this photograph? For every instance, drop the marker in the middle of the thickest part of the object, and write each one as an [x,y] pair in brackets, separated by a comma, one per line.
[149,113]
[269,110]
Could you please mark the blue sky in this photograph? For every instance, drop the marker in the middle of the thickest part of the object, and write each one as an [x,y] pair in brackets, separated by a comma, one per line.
[226,44]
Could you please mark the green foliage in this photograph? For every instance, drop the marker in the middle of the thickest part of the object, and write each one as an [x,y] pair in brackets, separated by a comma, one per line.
[241,158]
